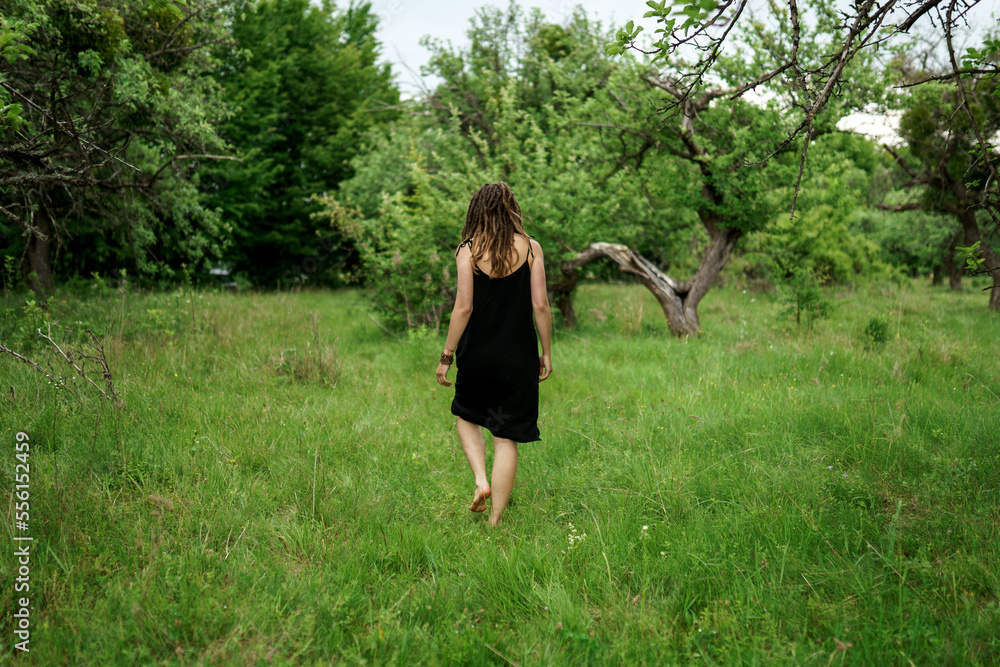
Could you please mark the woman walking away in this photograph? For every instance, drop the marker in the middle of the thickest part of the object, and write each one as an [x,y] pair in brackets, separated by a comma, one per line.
[501,281]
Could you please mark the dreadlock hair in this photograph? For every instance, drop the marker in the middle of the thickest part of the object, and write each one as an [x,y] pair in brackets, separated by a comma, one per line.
[491,222]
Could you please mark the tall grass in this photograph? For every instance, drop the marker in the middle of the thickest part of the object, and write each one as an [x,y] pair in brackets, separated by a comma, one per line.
[284,486]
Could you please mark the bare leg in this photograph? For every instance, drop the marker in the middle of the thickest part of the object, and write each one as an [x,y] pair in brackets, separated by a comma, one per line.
[474,446]
[504,469]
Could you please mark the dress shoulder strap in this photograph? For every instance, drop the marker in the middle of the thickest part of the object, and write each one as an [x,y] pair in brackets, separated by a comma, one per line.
[466,242]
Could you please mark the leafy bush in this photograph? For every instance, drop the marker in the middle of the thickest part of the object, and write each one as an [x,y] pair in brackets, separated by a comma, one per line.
[820,238]
[405,248]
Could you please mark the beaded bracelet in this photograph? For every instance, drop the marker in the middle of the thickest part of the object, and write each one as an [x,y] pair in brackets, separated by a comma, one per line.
[447,359]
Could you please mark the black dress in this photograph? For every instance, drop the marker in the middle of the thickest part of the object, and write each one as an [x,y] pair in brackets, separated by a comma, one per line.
[496,383]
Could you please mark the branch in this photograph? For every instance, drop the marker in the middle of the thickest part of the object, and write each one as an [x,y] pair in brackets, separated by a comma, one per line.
[900,161]
[950,75]
[52,378]
[59,125]
[25,225]
[113,397]
[915,16]
[208,157]
[31,178]
[628,260]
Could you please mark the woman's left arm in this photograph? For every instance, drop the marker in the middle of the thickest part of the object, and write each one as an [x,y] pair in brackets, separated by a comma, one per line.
[460,314]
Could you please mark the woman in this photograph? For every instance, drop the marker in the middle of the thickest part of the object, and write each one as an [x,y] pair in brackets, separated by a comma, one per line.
[501,281]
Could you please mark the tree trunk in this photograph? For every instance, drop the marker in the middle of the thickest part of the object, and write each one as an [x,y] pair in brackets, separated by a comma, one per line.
[562,291]
[721,244]
[953,268]
[38,251]
[679,301]
[967,216]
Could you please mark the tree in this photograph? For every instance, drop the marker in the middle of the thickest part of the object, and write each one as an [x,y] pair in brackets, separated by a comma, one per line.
[919,242]
[728,144]
[118,106]
[711,140]
[305,84]
[940,158]
[820,244]
[860,29]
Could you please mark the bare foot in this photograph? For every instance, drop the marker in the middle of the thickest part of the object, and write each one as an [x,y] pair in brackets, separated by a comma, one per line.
[479,500]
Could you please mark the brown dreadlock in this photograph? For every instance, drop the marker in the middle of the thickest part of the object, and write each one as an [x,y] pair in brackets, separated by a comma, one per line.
[491,222]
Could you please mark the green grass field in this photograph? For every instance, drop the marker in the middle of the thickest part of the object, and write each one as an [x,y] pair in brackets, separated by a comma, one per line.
[284,486]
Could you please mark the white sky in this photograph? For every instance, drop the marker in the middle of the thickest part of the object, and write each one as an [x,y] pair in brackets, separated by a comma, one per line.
[403,22]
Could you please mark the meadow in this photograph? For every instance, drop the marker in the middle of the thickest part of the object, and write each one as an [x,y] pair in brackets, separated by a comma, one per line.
[284,486]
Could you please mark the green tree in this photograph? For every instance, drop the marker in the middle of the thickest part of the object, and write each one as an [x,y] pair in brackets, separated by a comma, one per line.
[305,86]
[118,107]
[822,240]
[939,163]
[569,129]
[819,71]
[734,153]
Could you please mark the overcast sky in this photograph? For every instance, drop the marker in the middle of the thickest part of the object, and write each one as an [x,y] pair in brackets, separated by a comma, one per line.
[404,22]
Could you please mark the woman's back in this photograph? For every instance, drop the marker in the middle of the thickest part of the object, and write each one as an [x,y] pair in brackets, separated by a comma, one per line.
[521,253]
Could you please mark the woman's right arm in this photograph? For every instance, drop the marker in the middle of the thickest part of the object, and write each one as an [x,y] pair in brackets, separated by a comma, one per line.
[543,314]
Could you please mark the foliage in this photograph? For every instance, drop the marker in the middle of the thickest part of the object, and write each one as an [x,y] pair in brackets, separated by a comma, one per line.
[973,261]
[940,161]
[821,241]
[934,132]
[304,84]
[801,288]
[540,106]
[915,241]
[405,246]
[14,36]
[811,54]
[119,104]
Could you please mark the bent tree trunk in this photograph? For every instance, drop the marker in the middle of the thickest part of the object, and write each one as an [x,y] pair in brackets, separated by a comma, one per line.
[679,300]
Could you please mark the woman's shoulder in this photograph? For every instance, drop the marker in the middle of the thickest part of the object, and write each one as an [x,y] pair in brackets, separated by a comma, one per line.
[534,245]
